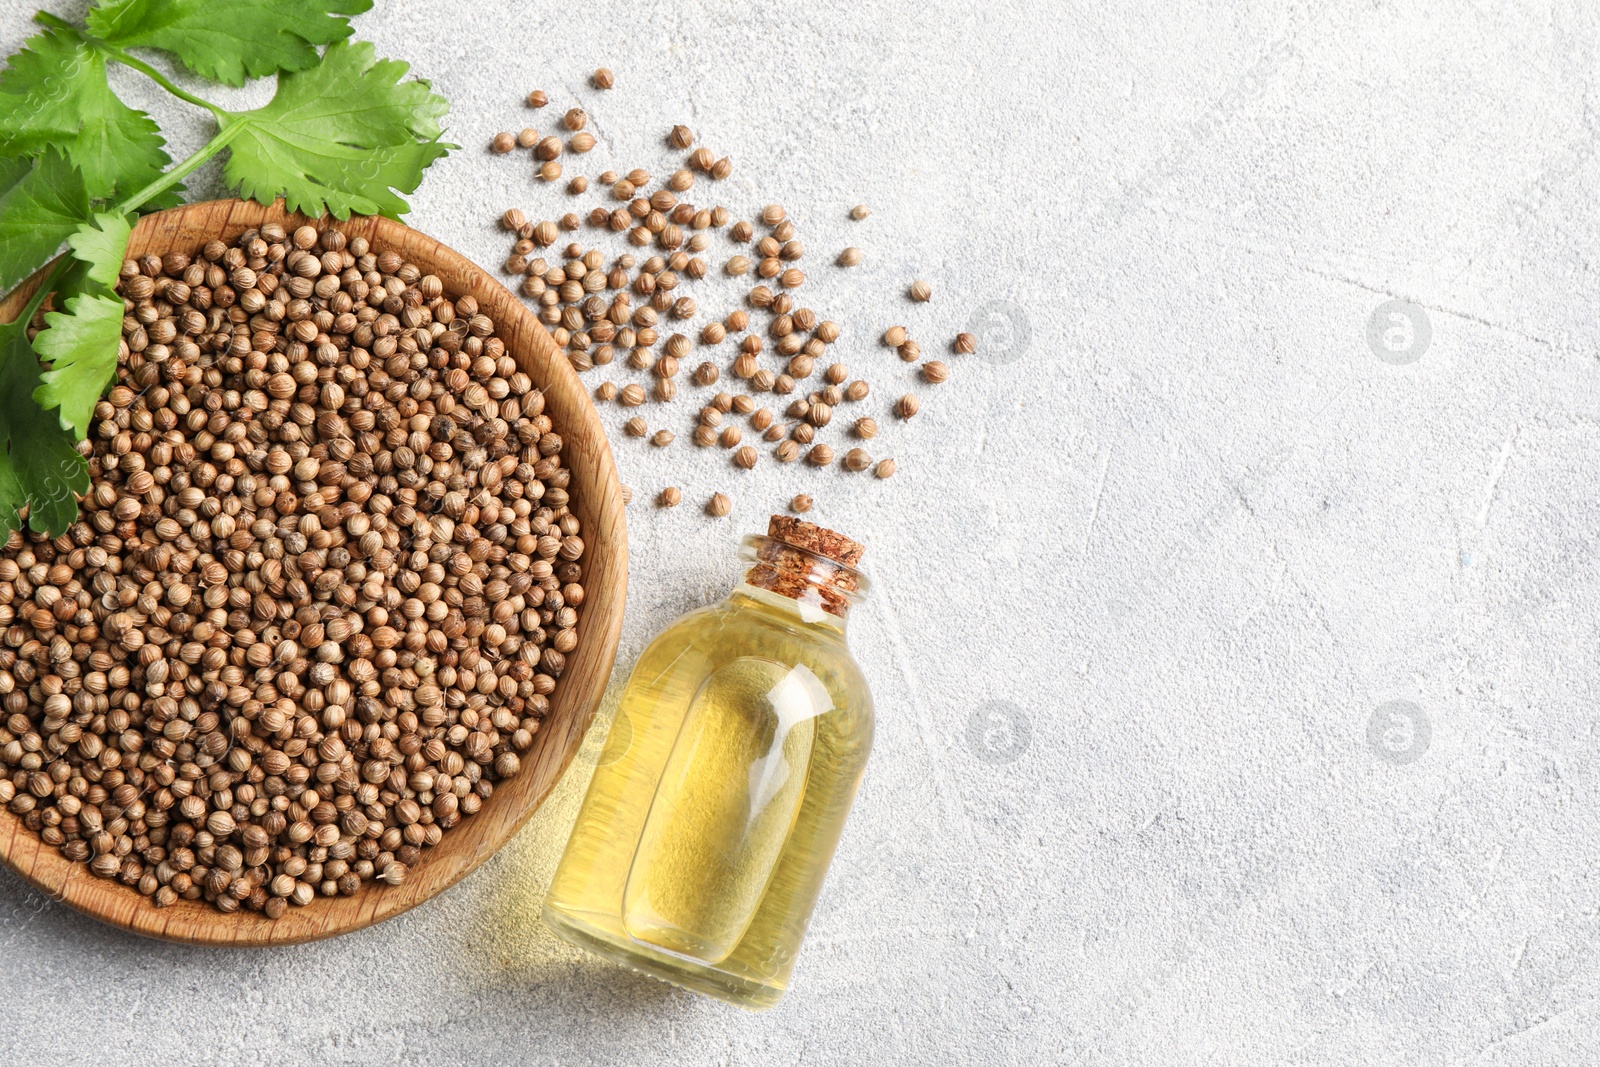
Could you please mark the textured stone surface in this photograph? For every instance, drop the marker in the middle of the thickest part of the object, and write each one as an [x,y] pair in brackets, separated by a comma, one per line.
[1141,589]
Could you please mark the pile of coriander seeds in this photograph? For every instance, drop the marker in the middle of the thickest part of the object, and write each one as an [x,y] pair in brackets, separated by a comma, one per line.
[317,600]
[773,390]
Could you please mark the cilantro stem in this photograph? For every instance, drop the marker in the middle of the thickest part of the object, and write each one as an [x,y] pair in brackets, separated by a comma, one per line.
[112,52]
[41,294]
[182,170]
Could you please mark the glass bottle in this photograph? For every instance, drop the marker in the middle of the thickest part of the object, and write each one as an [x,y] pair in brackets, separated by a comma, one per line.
[726,778]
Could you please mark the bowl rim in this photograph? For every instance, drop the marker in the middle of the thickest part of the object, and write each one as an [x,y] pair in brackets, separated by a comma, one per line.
[573,703]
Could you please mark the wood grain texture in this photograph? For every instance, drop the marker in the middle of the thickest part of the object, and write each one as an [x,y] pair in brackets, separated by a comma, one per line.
[597,501]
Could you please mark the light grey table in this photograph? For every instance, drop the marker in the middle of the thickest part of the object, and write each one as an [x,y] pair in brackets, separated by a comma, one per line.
[1234,629]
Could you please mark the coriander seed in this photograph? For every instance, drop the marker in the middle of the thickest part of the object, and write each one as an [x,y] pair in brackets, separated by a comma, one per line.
[865,428]
[669,497]
[729,437]
[857,459]
[906,406]
[745,458]
[574,119]
[701,159]
[602,78]
[965,344]
[722,168]
[581,142]
[680,137]
[632,395]
[662,438]
[547,149]
[910,351]
[635,427]
[513,220]
[704,436]
[859,212]
[894,336]
[718,506]
[786,452]
[819,456]
[742,231]
[772,214]
[528,137]
[738,265]
[502,143]
[934,371]
[920,291]
[706,374]
[885,468]
[537,98]
[580,184]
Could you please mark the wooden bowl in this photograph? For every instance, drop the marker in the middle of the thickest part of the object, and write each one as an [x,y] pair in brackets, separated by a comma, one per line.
[597,501]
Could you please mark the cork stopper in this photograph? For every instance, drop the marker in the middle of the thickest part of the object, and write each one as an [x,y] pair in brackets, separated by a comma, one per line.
[815,539]
[806,563]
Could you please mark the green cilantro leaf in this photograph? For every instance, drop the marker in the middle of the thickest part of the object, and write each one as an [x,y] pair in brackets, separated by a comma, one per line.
[228,40]
[54,93]
[39,468]
[41,203]
[81,342]
[102,243]
[343,134]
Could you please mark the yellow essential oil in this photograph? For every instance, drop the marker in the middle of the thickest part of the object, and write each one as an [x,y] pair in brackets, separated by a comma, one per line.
[726,778]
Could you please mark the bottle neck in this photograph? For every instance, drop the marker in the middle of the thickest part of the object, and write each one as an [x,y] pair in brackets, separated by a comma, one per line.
[822,589]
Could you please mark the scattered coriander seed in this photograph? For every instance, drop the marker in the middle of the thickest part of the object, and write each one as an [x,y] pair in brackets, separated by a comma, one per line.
[549,171]
[836,373]
[722,168]
[760,419]
[705,436]
[865,428]
[783,232]
[574,119]
[701,159]
[803,432]
[801,366]
[635,427]
[885,468]
[906,406]
[513,219]
[744,367]
[712,333]
[665,390]
[607,177]
[772,214]
[965,344]
[857,459]
[706,373]
[581,142]
[820,414]
[859,212]
[819,456]
[718,506]
[639,177]
[580,184]
[622,189]
[800,504]
[502,143]
[934,371]
[743,404]
[910,351]
[548,148]
[772,433]
[786,452]
[742,231]
[528,137]
[738,265]
[792,278]
[537,98]
[832,395]
[606,392]
[680,137]
[920,291]
[827,331]
[719,217]
[745,457]
[632,395]
[894,336]
[662,438]
[545,234]
[669,497]
[761,297]
[729,437]
[710,415]
[602,78]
